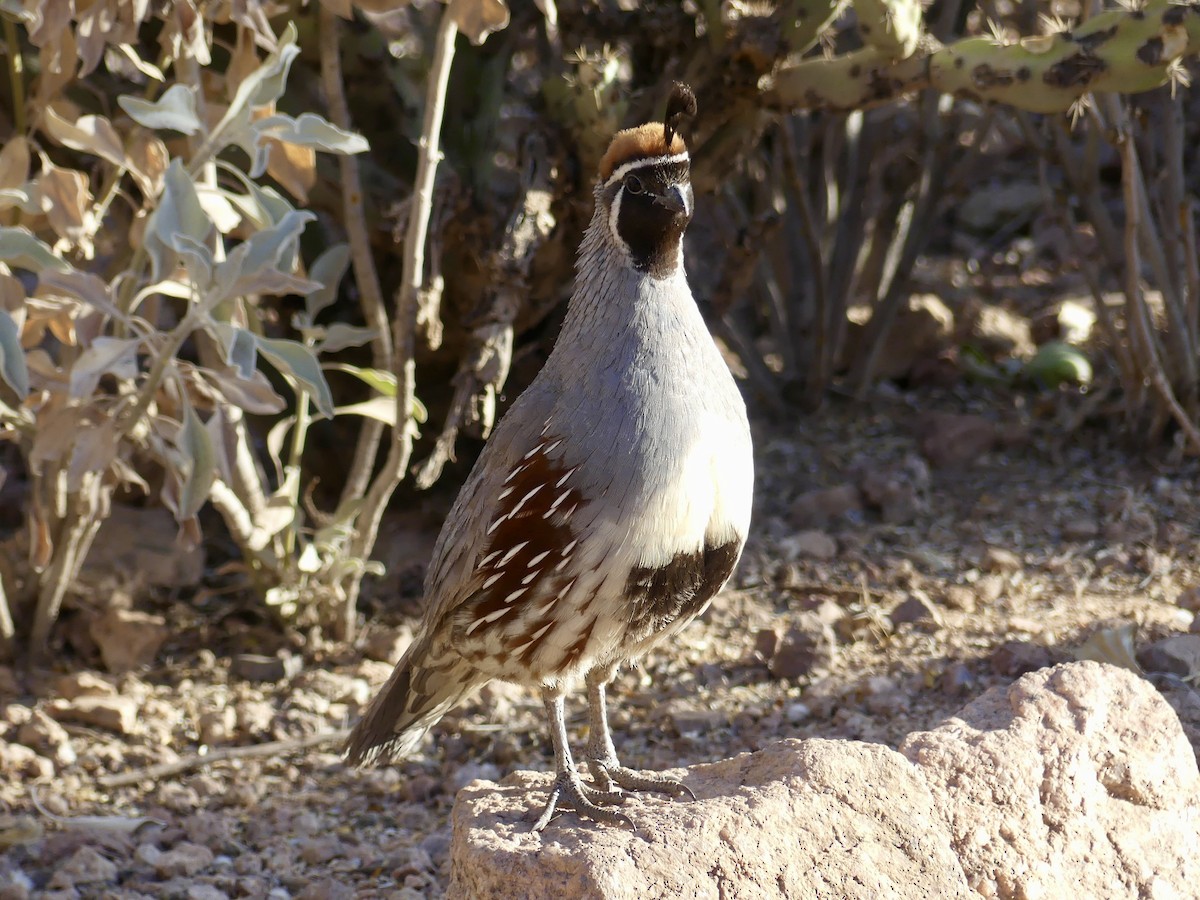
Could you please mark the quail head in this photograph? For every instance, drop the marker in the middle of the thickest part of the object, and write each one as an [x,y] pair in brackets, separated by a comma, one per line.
[610,504]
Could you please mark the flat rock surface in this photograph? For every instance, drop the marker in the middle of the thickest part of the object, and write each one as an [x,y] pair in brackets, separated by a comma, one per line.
[1075,779]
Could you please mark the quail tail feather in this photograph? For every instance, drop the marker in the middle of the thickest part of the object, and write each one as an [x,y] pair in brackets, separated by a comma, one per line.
[419,692]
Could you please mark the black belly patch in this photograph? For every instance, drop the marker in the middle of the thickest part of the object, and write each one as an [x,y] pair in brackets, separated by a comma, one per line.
[680,589]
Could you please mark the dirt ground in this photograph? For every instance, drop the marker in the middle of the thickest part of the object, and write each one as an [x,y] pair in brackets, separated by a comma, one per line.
[847,619]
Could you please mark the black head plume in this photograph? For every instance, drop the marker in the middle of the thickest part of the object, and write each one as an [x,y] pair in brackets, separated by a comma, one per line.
[681,108]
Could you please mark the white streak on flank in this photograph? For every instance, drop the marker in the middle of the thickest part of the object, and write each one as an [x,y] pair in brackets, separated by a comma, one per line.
[537,634]
[496,524]
[504,493]
[546,427]
[534,452]
[514,473]
[566,551]
[490,617]
[516,509]
[487,560]
[549,606]
[549,448]
[621,171]
[553,506]
[567,513]
[507,557]
[562,565]
[528,578]
[515,594]
[537,559]
[492,579]
[568,474]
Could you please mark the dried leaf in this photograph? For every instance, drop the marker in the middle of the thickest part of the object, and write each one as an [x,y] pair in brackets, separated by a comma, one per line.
[12,357]
[125,60]
[301,364]
[41,544]
[342,8]
[174,110]
[106,356]
[57,64]
[88,134]
[293,166]
[84,286]
[479,18]
[94,449]
[147,161]
[1112,645]
[64,197]
[14,163]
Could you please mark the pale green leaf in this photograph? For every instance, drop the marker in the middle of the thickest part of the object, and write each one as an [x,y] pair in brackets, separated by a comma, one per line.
[339,336]
[301,364]
[177,223]
[174,110]
[12,357]
[20,248]
[378,380]
[310,130]
[382,409]
[328,269]
[195,444]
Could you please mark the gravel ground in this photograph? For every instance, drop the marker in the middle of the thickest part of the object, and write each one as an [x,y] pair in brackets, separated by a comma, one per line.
[879,593]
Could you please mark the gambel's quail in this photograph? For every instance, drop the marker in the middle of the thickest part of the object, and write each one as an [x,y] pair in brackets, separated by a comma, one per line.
[610,504]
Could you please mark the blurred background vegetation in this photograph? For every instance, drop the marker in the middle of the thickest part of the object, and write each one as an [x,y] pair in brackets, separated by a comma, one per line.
[264,263]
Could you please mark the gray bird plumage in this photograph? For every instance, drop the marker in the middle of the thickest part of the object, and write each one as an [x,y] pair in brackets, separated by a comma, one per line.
[610,504]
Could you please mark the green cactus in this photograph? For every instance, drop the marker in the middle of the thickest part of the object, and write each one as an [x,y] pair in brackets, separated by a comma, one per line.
[1119,50]
[806,20]
[1126,51]
[589,101]
[893,27]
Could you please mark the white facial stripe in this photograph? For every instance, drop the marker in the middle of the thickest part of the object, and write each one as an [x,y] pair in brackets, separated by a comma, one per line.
[624,170]
[614,214]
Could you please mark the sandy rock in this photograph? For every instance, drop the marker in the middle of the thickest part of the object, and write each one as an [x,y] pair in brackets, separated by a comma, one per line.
[84,684]
[917,609]
[897,491]
[808,644]
[84,867]
[22,763]
[922,327]
[1001,560]
[818,508]
[997,331]
[127,639]
[45,735]
[1014,658]
[859,823]
[387,644]
[810,544]
[949,439]
[1075,781]
[185,858]
[1178,654]
[118,714]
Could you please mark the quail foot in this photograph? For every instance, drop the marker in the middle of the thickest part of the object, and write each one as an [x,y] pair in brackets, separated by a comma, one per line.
[610,504]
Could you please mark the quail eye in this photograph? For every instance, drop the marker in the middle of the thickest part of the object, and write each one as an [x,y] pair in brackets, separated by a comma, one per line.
[633,184]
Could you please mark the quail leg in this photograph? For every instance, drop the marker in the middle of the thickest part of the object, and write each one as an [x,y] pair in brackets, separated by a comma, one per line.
[568,789]
[601,755]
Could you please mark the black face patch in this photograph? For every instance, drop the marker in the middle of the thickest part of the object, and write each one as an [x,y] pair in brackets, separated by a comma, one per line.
[651,229]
